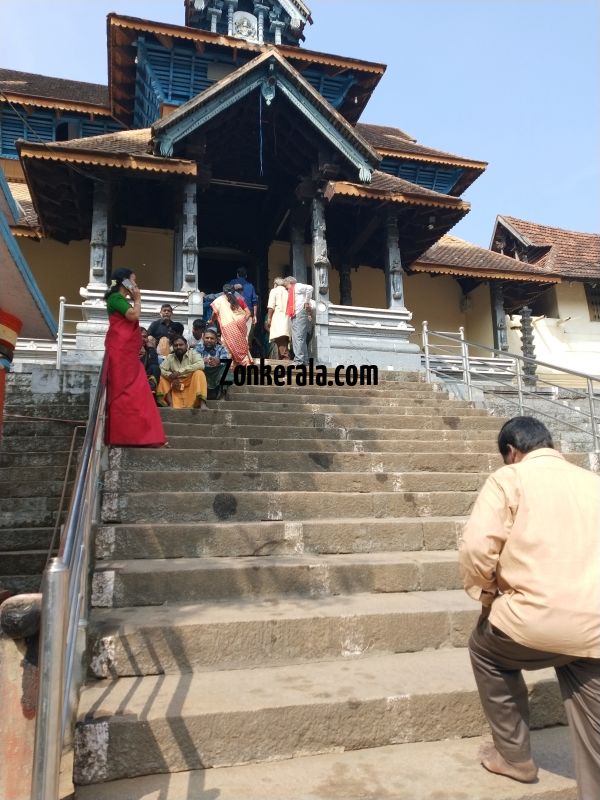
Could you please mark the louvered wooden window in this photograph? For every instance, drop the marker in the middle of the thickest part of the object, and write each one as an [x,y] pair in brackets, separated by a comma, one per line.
[592,292]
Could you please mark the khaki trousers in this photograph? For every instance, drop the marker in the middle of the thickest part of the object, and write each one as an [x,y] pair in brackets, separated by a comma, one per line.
[497,662]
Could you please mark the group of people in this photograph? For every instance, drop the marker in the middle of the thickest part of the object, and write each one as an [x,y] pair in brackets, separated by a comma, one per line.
[179,371]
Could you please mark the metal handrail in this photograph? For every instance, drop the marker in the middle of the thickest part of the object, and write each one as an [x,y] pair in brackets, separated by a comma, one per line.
[519,361]
[65,585]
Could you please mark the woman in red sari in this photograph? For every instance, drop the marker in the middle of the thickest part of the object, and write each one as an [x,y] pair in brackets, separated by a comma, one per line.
[231,313]
[132,418]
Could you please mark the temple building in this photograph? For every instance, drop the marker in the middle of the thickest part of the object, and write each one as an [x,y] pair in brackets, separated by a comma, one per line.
[223,143]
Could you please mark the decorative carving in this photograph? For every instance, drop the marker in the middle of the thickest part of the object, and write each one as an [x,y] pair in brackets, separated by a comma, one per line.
[100,250]
[189,251]
[245,26]
[231,7]
[499,316]
[319,246]
[528,347]
[261,11]
[393,265]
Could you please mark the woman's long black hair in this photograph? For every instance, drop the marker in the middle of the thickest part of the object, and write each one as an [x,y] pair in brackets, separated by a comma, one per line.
[228,292]
[116,280]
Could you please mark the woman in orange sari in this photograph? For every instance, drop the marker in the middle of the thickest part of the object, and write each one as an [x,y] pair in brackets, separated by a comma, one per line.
[231,313]
[132,418]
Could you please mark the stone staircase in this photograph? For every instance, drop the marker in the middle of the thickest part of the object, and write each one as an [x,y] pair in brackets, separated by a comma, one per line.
[277,611]
[33,459]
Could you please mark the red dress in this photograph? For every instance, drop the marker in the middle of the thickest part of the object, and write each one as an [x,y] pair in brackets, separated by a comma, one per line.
[132,418]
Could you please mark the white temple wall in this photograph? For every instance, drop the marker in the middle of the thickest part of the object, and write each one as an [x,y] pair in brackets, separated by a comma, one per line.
[435,299]
[572,341]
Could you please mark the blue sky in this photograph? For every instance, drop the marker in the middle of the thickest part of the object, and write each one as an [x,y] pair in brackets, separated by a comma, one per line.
[511,82]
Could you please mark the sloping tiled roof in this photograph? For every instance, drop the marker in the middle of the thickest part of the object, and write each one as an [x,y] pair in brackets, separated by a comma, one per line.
[456,256]
[27,215]
[569,253]
[135,143]
[395,188]
[33,85]
[396,141]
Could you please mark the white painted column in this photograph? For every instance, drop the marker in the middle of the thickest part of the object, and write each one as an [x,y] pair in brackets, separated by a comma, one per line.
[231,7]
[189,234]
[261,11]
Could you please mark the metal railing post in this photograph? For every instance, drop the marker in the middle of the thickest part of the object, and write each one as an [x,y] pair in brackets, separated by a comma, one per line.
[519,376]
[48,739]
[464,348]
[590,389]
[425,339]
[61,330]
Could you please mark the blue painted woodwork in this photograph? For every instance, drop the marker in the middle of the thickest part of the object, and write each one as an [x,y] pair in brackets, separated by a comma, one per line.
[267,78]
[176,75]
[430,176]
[10,200]
[41,127]
[333,88]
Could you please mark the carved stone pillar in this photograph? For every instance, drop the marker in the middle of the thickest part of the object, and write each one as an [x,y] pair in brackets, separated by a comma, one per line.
[394,287]
[498,315]
[231,7]
[345,284]
[277,27]
[319,248]
[528,346]
[100,247]
[214,14]
[297,260]
[261,11]
[186,242]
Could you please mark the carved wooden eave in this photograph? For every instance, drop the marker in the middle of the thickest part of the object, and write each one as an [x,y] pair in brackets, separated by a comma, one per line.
[55,103]
[25,232]
[425,197]
[123,31]
[272,75]
[444,269]
[430,158]
[29,151]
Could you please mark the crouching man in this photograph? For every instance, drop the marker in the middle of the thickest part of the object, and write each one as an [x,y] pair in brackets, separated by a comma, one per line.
[531,555]
[182,383]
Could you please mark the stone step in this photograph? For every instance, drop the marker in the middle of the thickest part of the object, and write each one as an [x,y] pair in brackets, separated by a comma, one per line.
[40,444]
[22,562]
[37,475]
[315,394]
[280,419]
[35,458]
[278,481]
[320,536]
[167,723]
[414,771]
[16,488]
[15,539]
[157,506]
[373,405]
[21,584]
[236,634]
[28,512]
[286,460]
[54,411]
[41,427]
[180,433]
[147,582]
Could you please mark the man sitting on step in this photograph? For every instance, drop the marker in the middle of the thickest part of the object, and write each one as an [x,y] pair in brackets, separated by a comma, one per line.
[212,352]
[531,555]
[183,382]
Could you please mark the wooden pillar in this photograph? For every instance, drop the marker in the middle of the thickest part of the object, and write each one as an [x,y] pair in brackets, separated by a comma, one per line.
[189,239]
[394,288]
[345,271]
[261,11]
[100,246]
[214,14]
[297,260]
[498,315]
[319,248]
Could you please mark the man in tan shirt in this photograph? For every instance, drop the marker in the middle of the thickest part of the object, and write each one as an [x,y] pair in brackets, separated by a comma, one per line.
[531,555]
